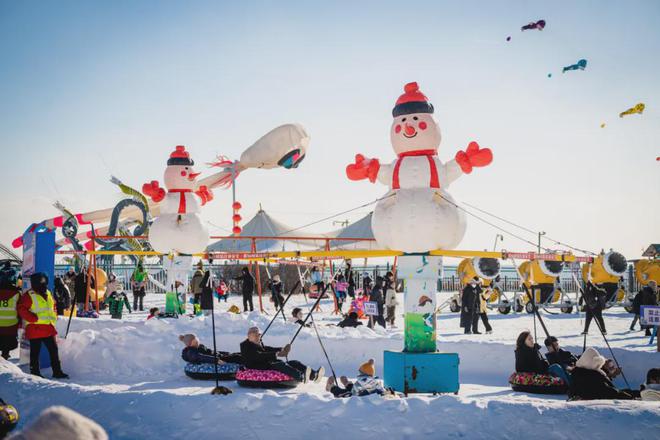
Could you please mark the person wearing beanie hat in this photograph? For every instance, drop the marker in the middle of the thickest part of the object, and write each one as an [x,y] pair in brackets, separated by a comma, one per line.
[9,320]
[590,381]
[196,353]
[365,384]
[419,179]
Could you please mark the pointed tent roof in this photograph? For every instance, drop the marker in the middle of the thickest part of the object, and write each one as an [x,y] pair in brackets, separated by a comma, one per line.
[652,251]
[263,225]
[358,229]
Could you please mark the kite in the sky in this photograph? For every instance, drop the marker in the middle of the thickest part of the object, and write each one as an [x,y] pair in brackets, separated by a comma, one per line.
[538,25]
[580,65]
[638,109]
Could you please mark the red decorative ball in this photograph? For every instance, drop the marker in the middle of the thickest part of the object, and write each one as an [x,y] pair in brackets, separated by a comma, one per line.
[237,217]
[237,230]
[236,205]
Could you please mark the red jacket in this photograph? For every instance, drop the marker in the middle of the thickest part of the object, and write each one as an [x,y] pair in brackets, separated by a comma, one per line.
[5,294]
[34,331]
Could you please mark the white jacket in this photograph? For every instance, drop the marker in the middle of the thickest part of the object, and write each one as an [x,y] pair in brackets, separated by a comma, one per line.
[390,298]
[651,392]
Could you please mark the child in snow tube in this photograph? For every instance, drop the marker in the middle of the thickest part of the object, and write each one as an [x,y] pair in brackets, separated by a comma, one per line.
[201,361]
[533,374]
[365,384]
[263,370]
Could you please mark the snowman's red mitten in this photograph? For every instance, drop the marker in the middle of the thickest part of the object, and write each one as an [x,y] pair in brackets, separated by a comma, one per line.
[153,190]
[363,168]
[205,194]
[473,157]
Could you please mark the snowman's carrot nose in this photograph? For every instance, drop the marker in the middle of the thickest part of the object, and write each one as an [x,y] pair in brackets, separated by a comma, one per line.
[410,130]
[192,176]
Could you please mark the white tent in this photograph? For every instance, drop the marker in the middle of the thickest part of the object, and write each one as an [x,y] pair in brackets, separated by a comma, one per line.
[263,225]
[358,229]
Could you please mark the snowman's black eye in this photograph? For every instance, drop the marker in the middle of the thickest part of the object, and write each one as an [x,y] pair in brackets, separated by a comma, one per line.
[415,118]
[403,120]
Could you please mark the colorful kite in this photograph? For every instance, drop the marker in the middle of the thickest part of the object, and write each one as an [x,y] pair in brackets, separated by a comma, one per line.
[580,65]
[538,25]
[638,109]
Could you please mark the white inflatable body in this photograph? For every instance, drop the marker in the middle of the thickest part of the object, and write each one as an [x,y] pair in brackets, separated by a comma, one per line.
[271,148]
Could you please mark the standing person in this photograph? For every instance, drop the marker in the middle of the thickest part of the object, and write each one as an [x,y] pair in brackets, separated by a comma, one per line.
[37,308]
[139,282]
[70,280]
[469,306]
[196,285]
[62,296]
[81,288]
[117,299]
[9,297]
[341,287]
[366,284]
[348,276]
[483,309]
[390,298]
[595,299]
[645,297]
[275,286]
[316,277]
[222,290]
[247,288]
[206,297]
[378,297]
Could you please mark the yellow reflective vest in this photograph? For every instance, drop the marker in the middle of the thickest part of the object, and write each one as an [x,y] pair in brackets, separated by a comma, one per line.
[8,313]
[43,308]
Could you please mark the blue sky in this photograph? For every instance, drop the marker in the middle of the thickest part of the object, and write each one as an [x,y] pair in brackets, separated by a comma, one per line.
[90,89]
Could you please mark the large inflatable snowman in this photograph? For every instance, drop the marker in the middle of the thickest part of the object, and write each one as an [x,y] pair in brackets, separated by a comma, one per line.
[178,228]
[417,214]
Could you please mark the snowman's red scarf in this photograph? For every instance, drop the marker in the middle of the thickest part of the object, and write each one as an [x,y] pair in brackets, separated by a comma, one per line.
[182,198]
[435,183]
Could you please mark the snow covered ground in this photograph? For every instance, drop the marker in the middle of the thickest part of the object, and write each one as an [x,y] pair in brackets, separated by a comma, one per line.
[128,376]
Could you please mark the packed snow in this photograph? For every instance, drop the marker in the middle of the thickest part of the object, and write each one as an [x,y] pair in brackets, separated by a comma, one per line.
[128,376]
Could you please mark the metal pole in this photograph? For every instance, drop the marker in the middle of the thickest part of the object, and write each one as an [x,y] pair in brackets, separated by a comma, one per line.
[539,245]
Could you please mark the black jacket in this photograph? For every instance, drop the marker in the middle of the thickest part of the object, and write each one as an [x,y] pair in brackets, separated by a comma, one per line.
[645,297]
[258,356]
[62,296]
[469,301]
[81,286]
[275,289]
[591,384]
[348,322]
[206,298]
[248,283]
[203,355]
[530,360]
[561,357]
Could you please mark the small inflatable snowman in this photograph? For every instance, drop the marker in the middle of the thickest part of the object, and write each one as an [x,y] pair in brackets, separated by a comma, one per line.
[417,214]
[178,228]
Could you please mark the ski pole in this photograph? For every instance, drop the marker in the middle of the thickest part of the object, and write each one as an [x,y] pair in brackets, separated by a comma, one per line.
[325,353]
[310,313]
[295,286]
[611,352]
[73,304]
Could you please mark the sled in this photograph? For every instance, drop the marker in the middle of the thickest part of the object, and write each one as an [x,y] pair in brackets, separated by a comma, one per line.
[264,379]
[226,371]
[537,383]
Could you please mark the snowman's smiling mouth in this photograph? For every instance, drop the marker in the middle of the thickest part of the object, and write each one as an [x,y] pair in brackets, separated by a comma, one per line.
[409,137]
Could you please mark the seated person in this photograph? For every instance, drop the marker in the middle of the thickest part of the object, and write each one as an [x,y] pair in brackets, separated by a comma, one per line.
[651,390]
[298,317]
[258,356]
[556,355]
[528,357]
[351,320]
[592,378]
[196,353]
[365,384]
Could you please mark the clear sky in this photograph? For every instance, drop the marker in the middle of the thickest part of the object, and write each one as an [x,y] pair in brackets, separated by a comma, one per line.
[90,88]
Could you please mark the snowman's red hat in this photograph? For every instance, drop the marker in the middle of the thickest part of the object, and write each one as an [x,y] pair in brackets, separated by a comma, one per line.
[412,101]
[180,157]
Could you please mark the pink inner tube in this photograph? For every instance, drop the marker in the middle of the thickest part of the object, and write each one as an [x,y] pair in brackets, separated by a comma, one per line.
[262,376]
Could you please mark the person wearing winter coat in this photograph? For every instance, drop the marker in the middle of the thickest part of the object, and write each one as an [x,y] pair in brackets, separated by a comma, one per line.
[196,284]
[390,298]
[595,299]
[297,317]
[365,384]
[556,355]
[469,307]
[645,297]
[651,390]
[62,296]
[483,309]
[196,353]
[222,290]
[377,296]
[316,278]
[348,276]
[341,288]
[37,308]
[139,282]
[81,288]
[247,288]
[69,279]
[258,356]
[591,382]
[117,299]
[9,318]
[528,357]
[275,287]
[351,320]
[206,297]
